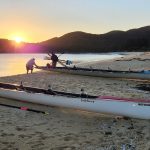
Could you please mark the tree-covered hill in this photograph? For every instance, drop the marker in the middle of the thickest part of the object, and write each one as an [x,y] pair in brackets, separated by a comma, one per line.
[81,42]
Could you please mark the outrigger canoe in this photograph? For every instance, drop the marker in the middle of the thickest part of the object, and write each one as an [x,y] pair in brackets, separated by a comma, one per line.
[101,104]
[100,72]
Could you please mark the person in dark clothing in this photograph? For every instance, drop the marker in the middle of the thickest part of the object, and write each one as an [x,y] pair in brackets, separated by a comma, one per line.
[54,59]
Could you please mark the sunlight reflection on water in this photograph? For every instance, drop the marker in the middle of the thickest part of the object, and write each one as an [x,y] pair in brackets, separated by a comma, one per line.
[12,64]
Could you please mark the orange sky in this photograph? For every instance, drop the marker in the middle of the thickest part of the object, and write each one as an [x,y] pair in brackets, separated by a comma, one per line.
[39,20]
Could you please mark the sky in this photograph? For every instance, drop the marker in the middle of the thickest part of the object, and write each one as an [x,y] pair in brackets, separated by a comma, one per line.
[40,20]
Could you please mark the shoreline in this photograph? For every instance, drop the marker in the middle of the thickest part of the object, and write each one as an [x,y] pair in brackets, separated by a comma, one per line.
[125,88]
[64,128]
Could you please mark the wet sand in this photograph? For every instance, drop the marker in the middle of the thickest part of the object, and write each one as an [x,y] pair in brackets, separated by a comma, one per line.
[69,129]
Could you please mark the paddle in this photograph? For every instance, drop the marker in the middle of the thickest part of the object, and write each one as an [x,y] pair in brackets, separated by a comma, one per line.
[60,55]
[59,61]
[49,58]
[24,108]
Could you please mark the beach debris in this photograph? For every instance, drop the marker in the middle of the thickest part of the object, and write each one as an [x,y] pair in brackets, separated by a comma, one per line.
[123,147]
[129,146]
[118,117]
[110,147]
[108,133]
[106,129]
[121,118]
[131,126]
[46,113]
[144,87]
[126,118]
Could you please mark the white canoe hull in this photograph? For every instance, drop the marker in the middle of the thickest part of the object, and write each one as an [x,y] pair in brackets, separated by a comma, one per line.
[124,108]
[106,74]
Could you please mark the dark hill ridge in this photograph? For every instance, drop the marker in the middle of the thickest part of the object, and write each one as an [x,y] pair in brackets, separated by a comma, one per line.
[81,42]
[131,40]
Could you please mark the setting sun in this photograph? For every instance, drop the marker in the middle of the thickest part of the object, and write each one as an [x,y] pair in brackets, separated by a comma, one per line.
[18,39]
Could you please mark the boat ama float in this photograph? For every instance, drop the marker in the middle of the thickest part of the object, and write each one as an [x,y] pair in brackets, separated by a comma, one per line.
[102,104]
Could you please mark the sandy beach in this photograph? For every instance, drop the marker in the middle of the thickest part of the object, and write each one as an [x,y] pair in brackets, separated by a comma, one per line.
[69,129]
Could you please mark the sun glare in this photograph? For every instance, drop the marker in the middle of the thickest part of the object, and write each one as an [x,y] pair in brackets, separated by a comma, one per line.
[18,39]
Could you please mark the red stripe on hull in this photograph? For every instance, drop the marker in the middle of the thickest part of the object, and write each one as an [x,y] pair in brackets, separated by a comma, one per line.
[124,99]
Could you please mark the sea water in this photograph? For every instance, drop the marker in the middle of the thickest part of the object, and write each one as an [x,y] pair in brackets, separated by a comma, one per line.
[13,64]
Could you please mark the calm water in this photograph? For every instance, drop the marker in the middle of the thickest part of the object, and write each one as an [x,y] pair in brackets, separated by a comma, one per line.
[12,64]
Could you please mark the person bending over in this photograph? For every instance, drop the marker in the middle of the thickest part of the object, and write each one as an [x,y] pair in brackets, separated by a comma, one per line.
[30,65]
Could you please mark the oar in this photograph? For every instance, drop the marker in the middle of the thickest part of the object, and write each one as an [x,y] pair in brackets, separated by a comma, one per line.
[48,58]
[57,56]
[59,61]
[60,55]
[49,54]
[24,108]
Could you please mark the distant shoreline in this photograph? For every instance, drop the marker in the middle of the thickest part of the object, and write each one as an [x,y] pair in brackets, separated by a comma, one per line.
[15,63]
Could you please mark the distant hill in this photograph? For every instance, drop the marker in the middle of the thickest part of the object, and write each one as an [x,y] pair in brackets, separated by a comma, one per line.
[81,42]
[131,40]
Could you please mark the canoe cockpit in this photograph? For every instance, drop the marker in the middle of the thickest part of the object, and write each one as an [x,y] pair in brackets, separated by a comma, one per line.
[43,91]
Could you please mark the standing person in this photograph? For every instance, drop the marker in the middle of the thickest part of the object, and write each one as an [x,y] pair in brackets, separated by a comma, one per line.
[30,65]
[54,59]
